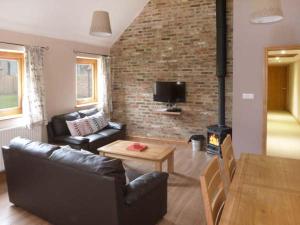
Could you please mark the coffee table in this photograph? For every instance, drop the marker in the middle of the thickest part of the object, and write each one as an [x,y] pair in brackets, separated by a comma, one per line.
[157,153]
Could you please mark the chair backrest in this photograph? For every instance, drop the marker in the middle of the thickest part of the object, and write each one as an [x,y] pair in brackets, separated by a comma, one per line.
[228,157]
[213,193]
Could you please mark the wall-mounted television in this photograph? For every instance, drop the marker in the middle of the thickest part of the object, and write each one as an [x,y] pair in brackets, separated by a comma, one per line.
[170,92]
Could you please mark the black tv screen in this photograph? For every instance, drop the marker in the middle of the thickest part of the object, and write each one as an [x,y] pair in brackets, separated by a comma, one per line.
[170,92]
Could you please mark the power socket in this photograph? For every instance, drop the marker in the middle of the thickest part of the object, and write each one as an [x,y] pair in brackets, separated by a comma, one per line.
[248,96]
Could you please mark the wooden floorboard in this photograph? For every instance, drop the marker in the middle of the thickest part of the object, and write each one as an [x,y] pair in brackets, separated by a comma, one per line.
[2,177]
[184,198]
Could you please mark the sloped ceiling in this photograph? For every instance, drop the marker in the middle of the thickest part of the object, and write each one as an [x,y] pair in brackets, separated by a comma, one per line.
[67,19]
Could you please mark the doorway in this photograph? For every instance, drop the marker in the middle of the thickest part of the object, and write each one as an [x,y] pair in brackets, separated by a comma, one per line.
[277,87]
[283,102]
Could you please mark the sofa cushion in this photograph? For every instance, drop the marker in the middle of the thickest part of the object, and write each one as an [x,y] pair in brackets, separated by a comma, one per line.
[103,138]
[98,121]
[96,141]
[91,163]
[71,140]
[59,123]
[80,127]
[35,148]
[94,137]
[86,152]
[116,125]
[108,132]
[88,112]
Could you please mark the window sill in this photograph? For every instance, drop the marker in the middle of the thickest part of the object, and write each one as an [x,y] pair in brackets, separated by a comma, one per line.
[11,117]
[87,104]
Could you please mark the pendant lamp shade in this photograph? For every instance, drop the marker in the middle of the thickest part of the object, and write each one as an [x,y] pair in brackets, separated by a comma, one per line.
[266,11]
[100,24]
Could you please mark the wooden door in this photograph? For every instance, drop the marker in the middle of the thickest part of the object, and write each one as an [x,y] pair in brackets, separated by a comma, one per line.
[277,87]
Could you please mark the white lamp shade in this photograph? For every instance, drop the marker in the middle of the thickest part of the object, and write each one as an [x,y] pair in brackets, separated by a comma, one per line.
[100,24]
[266,11]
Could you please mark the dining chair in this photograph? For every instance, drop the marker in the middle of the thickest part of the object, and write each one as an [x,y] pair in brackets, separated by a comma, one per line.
[228,157]
[213,192]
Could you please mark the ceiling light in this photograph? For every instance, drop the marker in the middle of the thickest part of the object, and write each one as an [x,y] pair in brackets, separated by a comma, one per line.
[266,11]
[100,24]
[283,52]
[277,58]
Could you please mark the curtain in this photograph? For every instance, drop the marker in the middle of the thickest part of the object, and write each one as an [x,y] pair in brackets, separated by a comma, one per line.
[34,109]
[104,86]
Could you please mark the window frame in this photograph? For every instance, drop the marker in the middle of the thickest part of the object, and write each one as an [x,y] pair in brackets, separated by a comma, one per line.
[20,57]
[93,99]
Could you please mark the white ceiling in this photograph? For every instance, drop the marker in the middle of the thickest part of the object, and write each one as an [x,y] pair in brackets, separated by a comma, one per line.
[67,19]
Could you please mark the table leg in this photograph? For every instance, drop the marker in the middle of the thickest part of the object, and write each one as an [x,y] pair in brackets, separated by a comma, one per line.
[158,166]
[171,163]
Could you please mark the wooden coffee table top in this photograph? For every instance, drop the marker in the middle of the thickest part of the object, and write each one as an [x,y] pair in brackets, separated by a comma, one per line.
[154,152]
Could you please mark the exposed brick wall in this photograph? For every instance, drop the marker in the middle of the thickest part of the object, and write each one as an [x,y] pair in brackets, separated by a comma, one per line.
[170,40]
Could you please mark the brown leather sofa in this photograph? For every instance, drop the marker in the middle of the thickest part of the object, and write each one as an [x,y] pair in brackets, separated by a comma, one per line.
[58,132]
[68,187]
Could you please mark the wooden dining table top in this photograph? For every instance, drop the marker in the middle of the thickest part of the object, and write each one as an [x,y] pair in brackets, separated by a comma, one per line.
[264,191]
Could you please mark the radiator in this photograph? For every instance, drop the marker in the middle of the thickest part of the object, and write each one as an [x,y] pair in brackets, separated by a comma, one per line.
[6,135]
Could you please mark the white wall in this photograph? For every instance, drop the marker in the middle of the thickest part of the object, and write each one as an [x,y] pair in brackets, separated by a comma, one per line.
[249,42]
[59,70]
[294,90]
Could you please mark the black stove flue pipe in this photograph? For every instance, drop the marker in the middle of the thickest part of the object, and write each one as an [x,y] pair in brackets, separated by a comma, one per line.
[221,56]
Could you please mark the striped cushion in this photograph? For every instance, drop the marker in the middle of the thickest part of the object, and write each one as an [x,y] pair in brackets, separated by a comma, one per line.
[98,121]
[80,127]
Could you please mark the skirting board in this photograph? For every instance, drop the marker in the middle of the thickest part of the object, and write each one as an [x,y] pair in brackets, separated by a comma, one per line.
[179,141]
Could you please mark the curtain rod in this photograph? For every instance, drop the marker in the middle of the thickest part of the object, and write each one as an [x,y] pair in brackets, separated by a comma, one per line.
[90,53]
[11,43]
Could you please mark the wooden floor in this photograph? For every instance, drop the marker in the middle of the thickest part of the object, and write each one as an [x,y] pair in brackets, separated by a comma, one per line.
[283,135]
[184,198]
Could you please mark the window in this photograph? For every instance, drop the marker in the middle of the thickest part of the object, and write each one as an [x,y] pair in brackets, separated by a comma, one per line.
[11,81]
[86,81]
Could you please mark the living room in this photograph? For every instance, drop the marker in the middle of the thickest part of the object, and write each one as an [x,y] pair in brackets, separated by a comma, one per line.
[65,63]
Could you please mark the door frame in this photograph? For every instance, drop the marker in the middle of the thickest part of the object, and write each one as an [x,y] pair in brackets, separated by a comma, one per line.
[265,92]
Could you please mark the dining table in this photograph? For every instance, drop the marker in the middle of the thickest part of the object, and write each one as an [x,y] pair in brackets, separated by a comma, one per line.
[265,190]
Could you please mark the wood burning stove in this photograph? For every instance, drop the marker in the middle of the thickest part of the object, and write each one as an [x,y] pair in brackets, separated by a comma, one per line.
[217,133]
[215,137]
